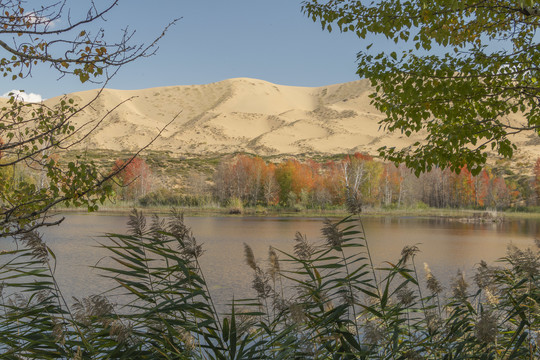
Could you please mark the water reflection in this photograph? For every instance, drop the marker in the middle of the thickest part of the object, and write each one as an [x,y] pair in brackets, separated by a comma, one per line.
[446,245]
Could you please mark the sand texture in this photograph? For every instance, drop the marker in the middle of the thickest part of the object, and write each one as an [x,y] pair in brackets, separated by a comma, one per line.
[246,115]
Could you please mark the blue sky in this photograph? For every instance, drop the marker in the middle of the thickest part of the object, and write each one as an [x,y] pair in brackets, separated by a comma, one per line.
[215,40]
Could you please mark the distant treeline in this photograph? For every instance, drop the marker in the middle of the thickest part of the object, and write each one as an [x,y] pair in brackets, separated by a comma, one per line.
[251,181]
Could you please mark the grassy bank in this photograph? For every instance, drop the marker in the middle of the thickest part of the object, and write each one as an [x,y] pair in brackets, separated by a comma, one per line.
[216,210]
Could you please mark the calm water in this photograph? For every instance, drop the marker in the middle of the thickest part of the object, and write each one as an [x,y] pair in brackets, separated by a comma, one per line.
[446,245]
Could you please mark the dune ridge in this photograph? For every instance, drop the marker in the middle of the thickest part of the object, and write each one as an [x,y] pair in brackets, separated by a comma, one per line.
[247,115]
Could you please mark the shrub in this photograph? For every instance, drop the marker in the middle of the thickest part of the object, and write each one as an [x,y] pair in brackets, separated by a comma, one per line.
[169,198]
[235,206]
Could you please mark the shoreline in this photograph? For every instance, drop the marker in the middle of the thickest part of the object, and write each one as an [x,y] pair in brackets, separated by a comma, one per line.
[468,215]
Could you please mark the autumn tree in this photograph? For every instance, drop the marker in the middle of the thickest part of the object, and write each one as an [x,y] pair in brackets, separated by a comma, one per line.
[461,72]
[133,178]
[294,178]
[284,177]
[392,189]
[361,176]
[463,191]
[246,178]
[500,196]
[255,170]
[331,182]
[537,178]
[49,37]
[270,185]
[481,185]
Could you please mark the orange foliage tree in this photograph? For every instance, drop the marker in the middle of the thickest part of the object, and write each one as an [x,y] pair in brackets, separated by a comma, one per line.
[362,180]
[293,178]
[481,186]
[247,178]
[391,180]
[463,191]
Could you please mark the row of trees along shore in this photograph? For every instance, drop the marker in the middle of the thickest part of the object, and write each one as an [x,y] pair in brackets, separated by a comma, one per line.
[251,181]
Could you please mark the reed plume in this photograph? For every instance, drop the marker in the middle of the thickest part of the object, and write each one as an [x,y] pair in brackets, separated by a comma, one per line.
[486,328]
[302,248]
[261,284]
[137,223]
[120,331]
[432,283]
[189,248]
[460,286]
[250,257]
[409,252]
[33,240]
[524,261]
[176,225]
[94,307]
[332,235]
[274,263]
[158,227]
[405,296]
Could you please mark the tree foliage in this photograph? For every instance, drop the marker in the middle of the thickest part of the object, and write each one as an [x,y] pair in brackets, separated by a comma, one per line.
[465,70]
[357,182]
[537,177]
[133,178]
[33,134]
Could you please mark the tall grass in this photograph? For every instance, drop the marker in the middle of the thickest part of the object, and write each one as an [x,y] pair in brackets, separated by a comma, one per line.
[322,301]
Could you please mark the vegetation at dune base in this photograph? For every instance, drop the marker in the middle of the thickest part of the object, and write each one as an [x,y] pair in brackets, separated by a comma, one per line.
[322,301]
[250,184]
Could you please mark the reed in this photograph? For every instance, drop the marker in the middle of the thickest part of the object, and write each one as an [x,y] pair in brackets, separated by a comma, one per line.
[323,301]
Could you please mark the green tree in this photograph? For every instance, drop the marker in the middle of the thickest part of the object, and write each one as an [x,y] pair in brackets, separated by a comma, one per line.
[460,72]
[33,134]
[284,177]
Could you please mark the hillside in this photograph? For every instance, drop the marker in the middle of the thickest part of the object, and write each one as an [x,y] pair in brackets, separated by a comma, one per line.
[247,115]
[238,115]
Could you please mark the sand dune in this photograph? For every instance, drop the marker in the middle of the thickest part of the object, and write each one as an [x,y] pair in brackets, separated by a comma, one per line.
[246,115]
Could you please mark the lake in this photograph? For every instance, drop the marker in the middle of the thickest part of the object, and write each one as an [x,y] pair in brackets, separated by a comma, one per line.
[446,245]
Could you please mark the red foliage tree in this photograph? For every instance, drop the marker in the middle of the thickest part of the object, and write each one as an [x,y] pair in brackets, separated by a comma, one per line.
[500,194]
[133,178]
[482,185]
[463,188]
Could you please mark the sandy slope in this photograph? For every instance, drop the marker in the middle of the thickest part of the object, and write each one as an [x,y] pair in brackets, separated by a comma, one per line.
[245,115]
